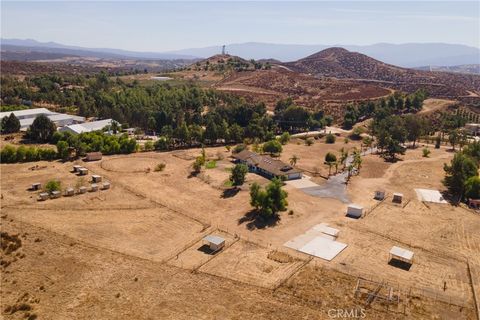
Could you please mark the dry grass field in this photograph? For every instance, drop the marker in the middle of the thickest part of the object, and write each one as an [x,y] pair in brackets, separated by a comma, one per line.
[134,251]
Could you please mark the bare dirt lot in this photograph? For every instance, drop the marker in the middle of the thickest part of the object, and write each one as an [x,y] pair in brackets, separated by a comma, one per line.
[134,251]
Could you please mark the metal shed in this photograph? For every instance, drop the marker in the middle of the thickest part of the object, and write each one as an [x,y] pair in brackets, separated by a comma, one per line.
[36,186]
[93,156]
[401,254]
[82,189]
[355,211]
[96,178]
[83,171]
[397,197]
[76,168]
[379,195]
[106,185]
[214,242]
[55,194]
[43,196]
[69,192]
[94,187]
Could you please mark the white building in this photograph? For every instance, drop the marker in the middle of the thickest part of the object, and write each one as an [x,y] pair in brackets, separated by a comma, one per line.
[26,117]
[87,126]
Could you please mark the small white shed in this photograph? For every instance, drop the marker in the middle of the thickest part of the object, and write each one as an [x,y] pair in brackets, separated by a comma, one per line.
[397,197]
[55,194]
[96,178]
[401,254]
[43,196]
[105,185]
[355,211]
[215,243]
[69,192]
[83,171]
[36,186]
[94,187]
[82,189]
[76,168]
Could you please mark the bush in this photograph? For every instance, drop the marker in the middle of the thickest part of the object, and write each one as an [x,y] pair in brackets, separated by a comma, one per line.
[211,164]
[284,138]
[426,152]
[160,167]
[8,154]
[53,185]
[148,146]
[330,138]
[309,141]
[239,148]
[438,140]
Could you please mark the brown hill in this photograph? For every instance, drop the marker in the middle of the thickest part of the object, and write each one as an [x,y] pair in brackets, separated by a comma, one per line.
[341,63]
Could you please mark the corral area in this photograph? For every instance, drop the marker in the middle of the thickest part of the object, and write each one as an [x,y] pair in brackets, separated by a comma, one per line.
[136,250]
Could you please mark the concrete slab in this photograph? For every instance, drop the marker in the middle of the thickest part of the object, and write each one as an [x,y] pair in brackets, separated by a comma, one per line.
[428,195]
[322,247]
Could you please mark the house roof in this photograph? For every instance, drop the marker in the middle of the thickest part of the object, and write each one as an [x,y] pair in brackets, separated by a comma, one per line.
[266,163]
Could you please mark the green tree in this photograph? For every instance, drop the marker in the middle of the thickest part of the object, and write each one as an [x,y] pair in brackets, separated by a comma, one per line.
[53,185]
[272,147]
[238,174]
[10,124]
[472,188]
[284,138]
[269,201]
[330,160]
[62,150]
[461,168]
[42,129]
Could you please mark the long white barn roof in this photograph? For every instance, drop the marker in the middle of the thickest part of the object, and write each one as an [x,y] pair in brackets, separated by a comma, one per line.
[87,126]
[26,113]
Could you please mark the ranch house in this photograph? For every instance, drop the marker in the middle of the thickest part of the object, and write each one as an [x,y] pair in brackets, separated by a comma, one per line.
[267,166]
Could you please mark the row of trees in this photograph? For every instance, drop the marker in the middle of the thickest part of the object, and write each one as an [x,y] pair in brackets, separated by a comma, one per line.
[397,103]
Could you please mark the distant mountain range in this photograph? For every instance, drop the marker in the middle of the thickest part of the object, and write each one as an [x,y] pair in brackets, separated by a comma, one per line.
[408,55]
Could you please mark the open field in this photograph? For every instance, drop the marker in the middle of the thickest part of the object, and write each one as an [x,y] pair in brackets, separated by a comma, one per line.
[135,251]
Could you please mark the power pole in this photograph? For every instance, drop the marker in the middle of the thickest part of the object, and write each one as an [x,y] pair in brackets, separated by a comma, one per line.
[223,50]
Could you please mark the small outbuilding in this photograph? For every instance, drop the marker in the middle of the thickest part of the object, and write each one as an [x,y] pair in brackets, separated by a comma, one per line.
[397,197]
[96,178]
[94,187]
[43,196]
[36,186]
[401,254]
[82,190]
[93,156]
[379,195]
[474,203]
[83,171]
[355,211]
[105,185]
[55,194]
[69,192]
[76,168]
[215,243]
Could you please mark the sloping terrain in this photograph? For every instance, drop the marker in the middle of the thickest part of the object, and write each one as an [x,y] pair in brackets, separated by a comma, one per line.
[341,63]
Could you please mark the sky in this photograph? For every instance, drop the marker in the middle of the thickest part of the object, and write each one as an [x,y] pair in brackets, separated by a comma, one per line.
[163,26]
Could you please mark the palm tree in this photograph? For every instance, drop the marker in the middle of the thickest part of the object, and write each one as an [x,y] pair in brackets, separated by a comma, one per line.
[293,160]
[343,156]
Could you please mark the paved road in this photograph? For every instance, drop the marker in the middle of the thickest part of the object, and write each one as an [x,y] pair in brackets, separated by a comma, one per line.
[335,187]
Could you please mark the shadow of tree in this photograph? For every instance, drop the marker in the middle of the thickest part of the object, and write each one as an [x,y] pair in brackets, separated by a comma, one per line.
[229,193]
[254,220]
